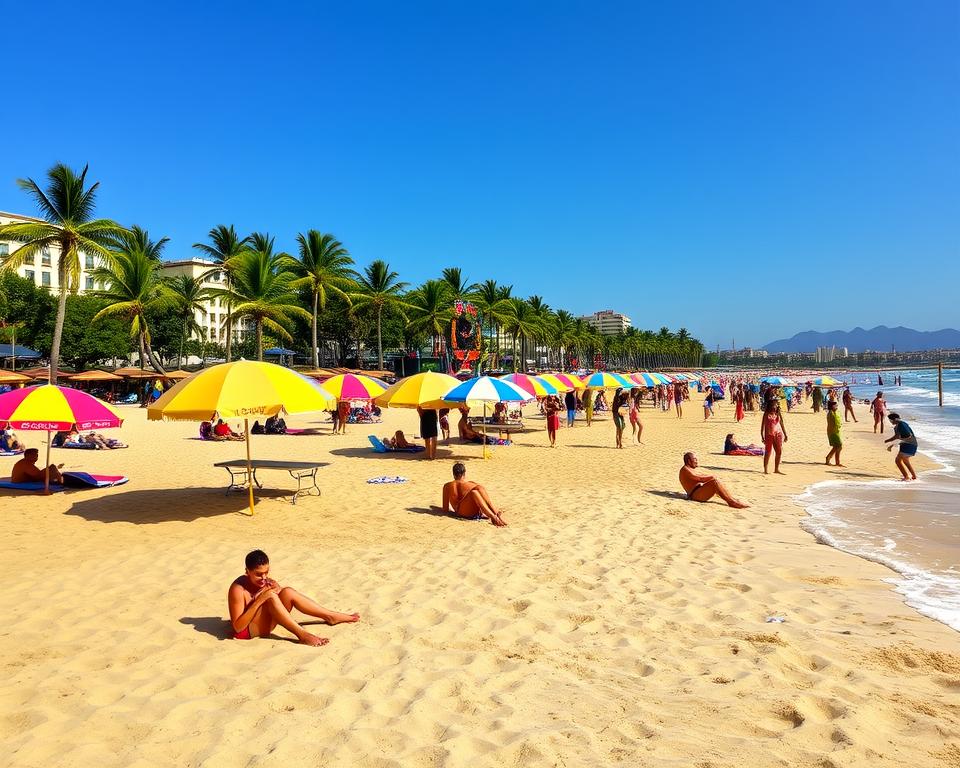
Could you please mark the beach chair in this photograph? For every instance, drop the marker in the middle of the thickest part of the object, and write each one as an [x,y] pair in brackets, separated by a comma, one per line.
[70,480]
[379,447]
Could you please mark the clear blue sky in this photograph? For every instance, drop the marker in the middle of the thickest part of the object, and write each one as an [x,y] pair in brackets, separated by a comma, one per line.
[802,160]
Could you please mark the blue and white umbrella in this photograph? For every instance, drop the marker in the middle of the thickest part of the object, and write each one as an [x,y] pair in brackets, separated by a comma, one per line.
[779,381]
[486,389]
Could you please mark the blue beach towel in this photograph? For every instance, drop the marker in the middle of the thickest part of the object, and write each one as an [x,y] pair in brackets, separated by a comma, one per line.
[379,447]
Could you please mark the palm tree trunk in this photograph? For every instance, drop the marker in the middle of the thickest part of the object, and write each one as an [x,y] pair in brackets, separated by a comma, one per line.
[143,350]
[260,340]
[314,349]
[379,339]
[228,344]
[58,327]
[183,341]
[154,360]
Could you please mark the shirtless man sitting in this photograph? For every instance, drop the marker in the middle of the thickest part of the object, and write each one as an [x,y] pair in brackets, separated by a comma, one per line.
[27,471]
[467,499]
[704,487]
[258,604]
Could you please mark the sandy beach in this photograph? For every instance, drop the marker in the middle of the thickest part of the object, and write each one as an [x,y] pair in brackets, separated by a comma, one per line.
[612,623]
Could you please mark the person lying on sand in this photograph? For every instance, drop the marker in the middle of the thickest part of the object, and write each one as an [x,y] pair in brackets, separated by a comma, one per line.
[400,440]
[703,487]
[27,471]
[467,499]
[258,604]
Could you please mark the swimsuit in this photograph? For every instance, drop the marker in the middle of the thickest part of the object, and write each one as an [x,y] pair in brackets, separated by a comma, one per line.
[428,424]
[243,634]
[902,430]
[774,432]
[693,490]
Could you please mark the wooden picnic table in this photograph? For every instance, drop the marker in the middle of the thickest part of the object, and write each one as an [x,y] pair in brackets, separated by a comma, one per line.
[304,472]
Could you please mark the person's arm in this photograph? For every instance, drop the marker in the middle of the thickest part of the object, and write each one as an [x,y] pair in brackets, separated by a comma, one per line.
[783,427]
[446,497]
[241,617]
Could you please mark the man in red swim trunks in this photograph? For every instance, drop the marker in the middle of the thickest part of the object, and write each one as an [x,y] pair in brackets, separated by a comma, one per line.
[704,487]
[468,499]
[258,604]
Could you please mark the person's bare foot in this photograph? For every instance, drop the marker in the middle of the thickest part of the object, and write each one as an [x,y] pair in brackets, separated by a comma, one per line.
[309,639]
[342,618]
[779,472]
[739,504]
[842,465]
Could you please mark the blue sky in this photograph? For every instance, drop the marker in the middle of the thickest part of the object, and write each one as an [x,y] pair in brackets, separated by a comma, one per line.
[746,170]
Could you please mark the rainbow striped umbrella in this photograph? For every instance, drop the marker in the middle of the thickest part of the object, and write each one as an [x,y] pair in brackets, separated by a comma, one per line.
[535,385]
[49,408]
[604,380]
[684,376]
[648,379]
[564,381]
[349,386]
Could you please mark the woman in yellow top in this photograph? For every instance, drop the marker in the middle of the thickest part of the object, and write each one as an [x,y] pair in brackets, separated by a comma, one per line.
[833,433]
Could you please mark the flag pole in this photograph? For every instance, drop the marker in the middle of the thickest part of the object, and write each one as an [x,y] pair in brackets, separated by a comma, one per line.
[246,434]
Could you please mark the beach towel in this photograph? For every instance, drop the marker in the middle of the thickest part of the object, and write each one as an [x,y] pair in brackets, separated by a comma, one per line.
[386,480]
[11,453]
[77,446]
[379,447]
[71,480]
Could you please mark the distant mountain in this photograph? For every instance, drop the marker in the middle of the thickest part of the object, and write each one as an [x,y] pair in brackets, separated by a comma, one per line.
[879,339]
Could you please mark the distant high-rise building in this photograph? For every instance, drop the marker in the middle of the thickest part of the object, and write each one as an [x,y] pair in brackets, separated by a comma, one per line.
[608,322]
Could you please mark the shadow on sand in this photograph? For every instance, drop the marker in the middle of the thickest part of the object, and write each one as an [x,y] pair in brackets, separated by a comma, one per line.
[215,626]
[670,494]
[434,511]
[163,506]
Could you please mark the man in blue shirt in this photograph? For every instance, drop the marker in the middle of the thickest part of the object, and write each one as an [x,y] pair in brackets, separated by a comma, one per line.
[908,445]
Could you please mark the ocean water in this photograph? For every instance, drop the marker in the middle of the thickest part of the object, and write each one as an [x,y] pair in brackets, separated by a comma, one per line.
[912,528]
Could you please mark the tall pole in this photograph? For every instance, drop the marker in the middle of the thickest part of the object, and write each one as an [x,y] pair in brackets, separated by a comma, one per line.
[246,433]
[940,381]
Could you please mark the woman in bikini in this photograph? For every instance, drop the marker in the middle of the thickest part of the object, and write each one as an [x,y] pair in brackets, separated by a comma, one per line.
[773,434]
[618,422]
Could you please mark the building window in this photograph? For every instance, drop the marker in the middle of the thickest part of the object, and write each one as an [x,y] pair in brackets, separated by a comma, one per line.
[89,283]
[45,279]
[4,250]
[30,275]
[45,257]
[88,261]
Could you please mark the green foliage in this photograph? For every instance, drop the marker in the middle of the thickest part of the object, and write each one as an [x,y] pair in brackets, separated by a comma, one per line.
[32,308]
[87,342]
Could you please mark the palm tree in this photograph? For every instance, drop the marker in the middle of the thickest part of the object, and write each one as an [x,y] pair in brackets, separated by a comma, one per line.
[323,267]
[493,303]
[522,323]
[261,288]
[379,289]
[66,207]
[543,313]
[563,333]
[460,289]
[188,296]
[132,284]
[225,245]
[430,312]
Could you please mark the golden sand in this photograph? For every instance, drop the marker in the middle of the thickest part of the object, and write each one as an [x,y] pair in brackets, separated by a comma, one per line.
[612,623]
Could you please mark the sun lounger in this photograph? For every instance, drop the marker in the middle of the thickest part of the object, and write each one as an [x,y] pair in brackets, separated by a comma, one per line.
[379,447]
[70,480]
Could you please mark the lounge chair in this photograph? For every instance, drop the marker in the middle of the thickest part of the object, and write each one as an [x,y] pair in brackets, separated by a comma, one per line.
[379,447]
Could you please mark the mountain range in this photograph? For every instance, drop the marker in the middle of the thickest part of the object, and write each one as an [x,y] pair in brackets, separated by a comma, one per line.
[879,339]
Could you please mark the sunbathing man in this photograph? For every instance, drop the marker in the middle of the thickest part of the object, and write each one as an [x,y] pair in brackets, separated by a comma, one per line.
[400,441]
[704,487]
[467,499]
[258,604]
[27,471]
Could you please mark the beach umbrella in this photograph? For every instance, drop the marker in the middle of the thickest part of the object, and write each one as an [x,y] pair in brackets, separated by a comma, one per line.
[533,385]
[826,381]
[50,408]
[481,390]
[414,391]
[604,380]
[349,386]
[647,379]
[570,380]
[178,375]
[555,382]
[779,381]
[242,389]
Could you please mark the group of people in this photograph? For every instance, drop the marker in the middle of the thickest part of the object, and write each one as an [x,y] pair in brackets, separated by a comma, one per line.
[72,438]
[219,431]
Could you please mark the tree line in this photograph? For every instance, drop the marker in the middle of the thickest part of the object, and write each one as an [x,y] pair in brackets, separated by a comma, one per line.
[317,294]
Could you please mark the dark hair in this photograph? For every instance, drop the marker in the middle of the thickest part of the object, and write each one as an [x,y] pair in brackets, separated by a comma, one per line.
[256,558]
[687,456]
[832,404]
[32,450]
[459,470]
[893,416]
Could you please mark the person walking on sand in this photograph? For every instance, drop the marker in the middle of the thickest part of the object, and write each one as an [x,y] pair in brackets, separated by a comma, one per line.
[817,399]
[833,433]
[570,401]
[879,407]
[468,499]
[773,434]
[704,487]
[588,405]
[908,446]
[678,399]
[618,423]
[636,426]
[848,405]
[258,604]
[551,408]
[708,404]
[428,431]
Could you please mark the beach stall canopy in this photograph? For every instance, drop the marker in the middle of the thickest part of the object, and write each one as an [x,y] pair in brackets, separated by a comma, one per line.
[241,389]
[19,352]
[95,375]
[278,352]
[178,375]
[138,373]
[50,408]
[11,377]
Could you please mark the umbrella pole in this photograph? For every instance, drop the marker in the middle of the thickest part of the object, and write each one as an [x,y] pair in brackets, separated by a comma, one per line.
[246,434]
[46,469]
[484,430]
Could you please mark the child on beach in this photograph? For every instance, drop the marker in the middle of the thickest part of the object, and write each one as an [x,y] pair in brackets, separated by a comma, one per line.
[833,433]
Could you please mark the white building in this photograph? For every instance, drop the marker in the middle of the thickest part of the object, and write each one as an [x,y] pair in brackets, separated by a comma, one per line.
[214,313]
[608,322]
[829,354]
